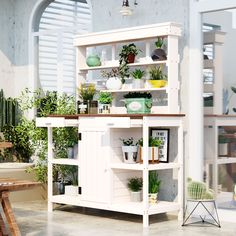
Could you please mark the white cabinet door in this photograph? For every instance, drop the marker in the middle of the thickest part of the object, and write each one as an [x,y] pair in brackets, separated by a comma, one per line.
[93,172]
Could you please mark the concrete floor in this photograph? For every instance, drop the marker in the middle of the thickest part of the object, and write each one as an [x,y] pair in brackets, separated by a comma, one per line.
[33,219]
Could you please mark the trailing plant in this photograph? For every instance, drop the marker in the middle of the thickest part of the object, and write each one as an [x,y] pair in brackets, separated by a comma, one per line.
[138,74]
[109,74]
[105,98]
[154,182]
[128,141]
[135,184]
[86,91]
[152,142]
[156,73]
[126,51]
[138,95]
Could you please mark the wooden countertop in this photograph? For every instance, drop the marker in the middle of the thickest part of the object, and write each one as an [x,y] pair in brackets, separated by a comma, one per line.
[134,116]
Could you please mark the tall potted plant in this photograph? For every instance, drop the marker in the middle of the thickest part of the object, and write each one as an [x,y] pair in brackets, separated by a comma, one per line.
[130,150]
[135,186]
[154,186]
[138,103]
[153,149]
[87,105]
[157,78]
[105,99]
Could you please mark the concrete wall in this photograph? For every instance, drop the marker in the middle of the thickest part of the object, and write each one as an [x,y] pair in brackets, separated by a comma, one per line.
[224,19]
[7,39]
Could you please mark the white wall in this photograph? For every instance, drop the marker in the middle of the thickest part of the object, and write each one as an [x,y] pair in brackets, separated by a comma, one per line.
[224,19]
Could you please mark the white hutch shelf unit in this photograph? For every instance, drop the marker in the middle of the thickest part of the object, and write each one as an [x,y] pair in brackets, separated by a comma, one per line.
[147,35]
[212,124]
[214,65]
[103,175]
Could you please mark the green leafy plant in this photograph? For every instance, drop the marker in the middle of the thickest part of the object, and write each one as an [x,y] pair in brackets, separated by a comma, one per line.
[135,184]
[86,91]
[128,141]
[223,139]
[127,50]
[159,43]
[154,182]
[156,73]
[138,95]
[152,142]
[138,74]
[105,98]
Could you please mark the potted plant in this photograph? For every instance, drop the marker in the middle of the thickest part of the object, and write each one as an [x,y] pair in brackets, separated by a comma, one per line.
[198,191]
[159,54]
[222,145]
[105,99]
[113,80]
[138,103]
[153,187]
[128,53]
[130,150]
[135,185]
[153,149]
[157,78]
[71,173]
[137,75]
[87,105]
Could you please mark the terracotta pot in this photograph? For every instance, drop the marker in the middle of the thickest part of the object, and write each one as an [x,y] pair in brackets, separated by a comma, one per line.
[131,58]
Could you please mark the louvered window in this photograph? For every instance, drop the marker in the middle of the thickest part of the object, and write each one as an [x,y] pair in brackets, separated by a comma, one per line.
[60,22]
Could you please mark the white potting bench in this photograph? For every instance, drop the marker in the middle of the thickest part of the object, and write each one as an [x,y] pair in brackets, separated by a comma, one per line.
[103,175]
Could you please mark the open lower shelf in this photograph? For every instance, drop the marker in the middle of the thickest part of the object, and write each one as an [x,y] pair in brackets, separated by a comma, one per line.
[116,65]
[66,199]
[138,166]
[138,207]
[65,161]
[126,207]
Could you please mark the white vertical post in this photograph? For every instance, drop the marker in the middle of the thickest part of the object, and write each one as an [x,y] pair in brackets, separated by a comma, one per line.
[50,156]
[145,172]
[195,112]
[180,170]
[173,71]
[215,157]
[147,51]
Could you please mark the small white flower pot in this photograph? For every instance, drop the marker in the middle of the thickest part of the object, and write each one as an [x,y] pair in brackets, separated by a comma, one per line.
[137,83]
[71,190]
[130,154]
[135,196]
[152,198]
[223,149]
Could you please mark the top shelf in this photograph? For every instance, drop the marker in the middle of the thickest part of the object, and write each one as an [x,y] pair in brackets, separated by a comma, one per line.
[128,34]
[116,65]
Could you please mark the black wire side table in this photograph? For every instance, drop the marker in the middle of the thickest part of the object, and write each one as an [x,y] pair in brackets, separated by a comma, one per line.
[202,209]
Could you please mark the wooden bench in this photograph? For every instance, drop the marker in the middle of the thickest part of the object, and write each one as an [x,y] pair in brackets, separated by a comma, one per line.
[8,185]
